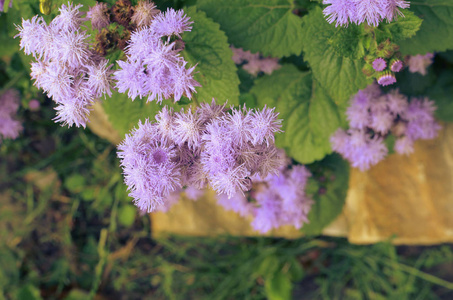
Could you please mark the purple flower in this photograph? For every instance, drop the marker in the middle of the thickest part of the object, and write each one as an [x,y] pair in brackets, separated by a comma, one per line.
[165,122]
[340,11]
[420,63]
[170,23]
[132,77]
[161,72]
[382,121]
[99,15]
[265,125]
[34,105]
[99,78]
[396,65]
[386,78]
[207,111]
[254,63]
[379,64]
[267,215]
[149,165]
[392,9]
[404,145]
[421,123]
[237,203]
[186,129]
[193,193]
[239,126]
[281,200]
[72,112]
[144,13]
[66,68]
[397,103]
[193,149]
[9,104]
[373,118]
[373,12]
[369,154]
[69,19]
[30,33]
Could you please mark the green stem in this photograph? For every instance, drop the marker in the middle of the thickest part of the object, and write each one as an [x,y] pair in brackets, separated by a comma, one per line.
[422,275]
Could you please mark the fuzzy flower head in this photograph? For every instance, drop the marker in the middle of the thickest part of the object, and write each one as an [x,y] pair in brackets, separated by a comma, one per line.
[171,22]
[9,104]
[67,68]
[386,78]
[144,13]
[194,148]
[379,64]
[154,66]
[396,65]
[99,15]
[149,167]
[420,63]
[373,116]
[344,12]
[275,200]
[69,19]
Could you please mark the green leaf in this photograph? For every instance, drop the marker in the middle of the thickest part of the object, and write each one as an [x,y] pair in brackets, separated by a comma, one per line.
[401,29]
[266,26]
[207,46]
[340,76]
[268,266]
[278,287]
[348,42]
[329,204]
[126,215]
[124,114]
[436,31]
[309,114]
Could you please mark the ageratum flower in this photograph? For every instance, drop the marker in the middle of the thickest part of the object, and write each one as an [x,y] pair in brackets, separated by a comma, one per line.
[379,64]
[199,147]
[99,15]
[420,63]
[373,116]
[344,12]
[144,13]
[154,67]
[66,69]
[275,200]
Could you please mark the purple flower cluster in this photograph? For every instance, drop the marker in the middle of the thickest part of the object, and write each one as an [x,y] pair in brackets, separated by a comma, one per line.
[9,104]
[66,68]
[195,148]
[373,12]
[275,201]
[373,115]
[154,67]
[419,63]
[254,63]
